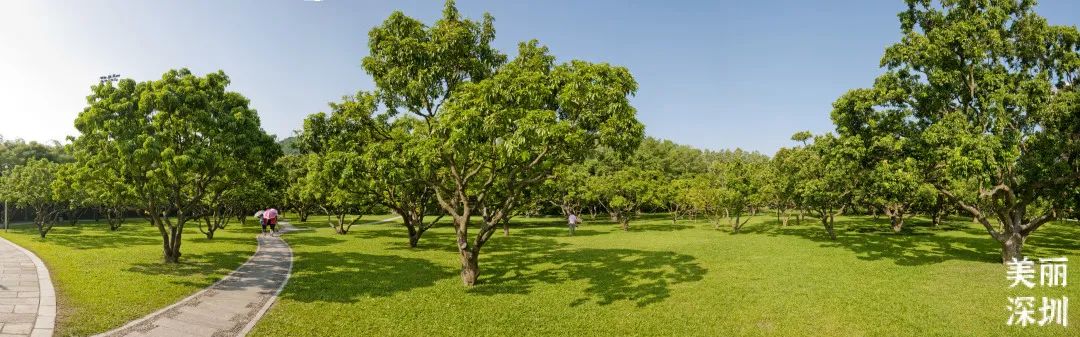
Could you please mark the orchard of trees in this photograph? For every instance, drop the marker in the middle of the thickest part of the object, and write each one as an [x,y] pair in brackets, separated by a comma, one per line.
[977,114]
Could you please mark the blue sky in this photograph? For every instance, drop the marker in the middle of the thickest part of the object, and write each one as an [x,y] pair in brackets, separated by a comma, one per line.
[712,74]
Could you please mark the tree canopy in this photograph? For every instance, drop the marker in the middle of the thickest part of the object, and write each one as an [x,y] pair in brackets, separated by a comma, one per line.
[980,98]
[173,142]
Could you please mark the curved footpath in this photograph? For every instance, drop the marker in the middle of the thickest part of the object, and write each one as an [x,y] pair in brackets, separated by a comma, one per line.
[27,299]
[230,307]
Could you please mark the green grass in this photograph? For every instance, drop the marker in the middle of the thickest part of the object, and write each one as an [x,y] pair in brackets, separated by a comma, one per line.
[104,279]
[317,221]
[663,279]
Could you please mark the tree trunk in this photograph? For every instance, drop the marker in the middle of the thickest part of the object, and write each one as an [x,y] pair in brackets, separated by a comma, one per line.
[827,221]
[897,222]
[415,226]
[1012,247]
[170,250]
[339,228]
[735,226]
[414,238]
[115,218]
[171,256]
[174,235]
[1014,223]
[939,205]
[470,268]
[896,218]
[210,227]
[506,228]
[39,220]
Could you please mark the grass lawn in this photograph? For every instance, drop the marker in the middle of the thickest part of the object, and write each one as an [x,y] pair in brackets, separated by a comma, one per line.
[104,279]
[662,279]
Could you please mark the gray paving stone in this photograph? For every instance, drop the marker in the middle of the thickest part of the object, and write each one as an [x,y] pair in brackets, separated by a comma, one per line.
[24,279]
[41,332]
[18,329]
[25,309]
[229,307]
[18,300]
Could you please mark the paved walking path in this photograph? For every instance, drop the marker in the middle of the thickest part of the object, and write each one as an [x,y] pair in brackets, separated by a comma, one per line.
[230,307]
[27,299]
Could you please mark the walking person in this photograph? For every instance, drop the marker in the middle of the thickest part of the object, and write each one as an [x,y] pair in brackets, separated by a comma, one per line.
[271,216]
[262,221]
[573,221]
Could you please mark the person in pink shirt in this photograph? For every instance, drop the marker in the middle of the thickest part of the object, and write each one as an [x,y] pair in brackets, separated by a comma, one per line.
[271,217]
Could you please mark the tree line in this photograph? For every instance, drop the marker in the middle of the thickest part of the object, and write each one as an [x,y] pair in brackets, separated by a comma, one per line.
[976,113]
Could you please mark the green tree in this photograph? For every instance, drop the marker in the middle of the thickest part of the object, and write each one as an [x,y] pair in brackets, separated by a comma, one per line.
[508,132]
[677,197]
[389,162]
[707,196]
[74,200]
[250,190]
[103,187]
[886,152]
[17,152]
[495,130]
[294,167]
[742,176]
[172,140]
[31,185]
[672,161]
[567,188]
[624,191]
[781,187]
[417,70]
[402,171]
[338,175]
[826,182]
[990,90]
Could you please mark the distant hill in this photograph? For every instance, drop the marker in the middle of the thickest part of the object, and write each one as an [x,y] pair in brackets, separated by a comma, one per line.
[288,145]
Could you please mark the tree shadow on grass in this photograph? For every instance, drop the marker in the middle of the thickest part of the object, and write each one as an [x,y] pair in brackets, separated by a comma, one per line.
[91,238]
[1053,240]
[345,277]
[430,241]
[555,232]
[211,266]
[94,235]
[312,239]
[516,265]
[659,227]
[916,244]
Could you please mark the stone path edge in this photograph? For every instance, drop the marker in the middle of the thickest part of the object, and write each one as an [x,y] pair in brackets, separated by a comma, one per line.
[45,321]
[273,298]
[185,299]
